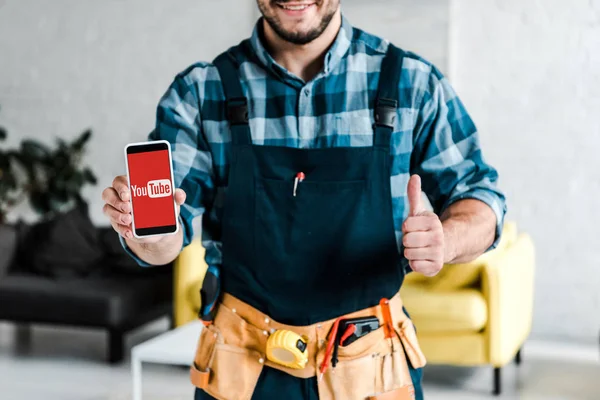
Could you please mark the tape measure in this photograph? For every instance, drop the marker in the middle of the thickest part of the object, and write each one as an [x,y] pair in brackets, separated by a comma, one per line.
[287,348]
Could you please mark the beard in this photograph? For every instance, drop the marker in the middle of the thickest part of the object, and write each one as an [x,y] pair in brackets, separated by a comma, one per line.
[297,37]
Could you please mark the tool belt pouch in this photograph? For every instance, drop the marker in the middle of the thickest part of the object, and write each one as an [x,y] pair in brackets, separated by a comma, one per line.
[222,367]
[373,367]
[408,337]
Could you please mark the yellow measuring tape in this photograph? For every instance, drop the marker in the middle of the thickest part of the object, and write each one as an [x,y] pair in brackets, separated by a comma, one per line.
[288,348]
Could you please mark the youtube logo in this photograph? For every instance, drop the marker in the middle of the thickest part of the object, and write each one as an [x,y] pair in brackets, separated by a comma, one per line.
[159,188]
[156,188]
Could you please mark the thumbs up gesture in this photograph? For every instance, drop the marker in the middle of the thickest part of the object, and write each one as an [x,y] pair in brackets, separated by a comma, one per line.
[423,234]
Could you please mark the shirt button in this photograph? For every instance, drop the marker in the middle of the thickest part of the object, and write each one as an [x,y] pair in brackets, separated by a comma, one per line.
[306,92]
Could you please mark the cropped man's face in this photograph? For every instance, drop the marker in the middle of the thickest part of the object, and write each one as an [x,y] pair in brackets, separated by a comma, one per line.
[298,21]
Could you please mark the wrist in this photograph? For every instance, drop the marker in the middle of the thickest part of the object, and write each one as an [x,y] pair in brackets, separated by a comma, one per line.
[450,252]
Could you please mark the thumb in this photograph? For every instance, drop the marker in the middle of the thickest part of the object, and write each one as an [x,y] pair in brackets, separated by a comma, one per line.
[179,196]
[415,201]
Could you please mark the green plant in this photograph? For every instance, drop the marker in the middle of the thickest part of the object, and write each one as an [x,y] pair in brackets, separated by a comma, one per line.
[55,176]
[11,191]
[51,178]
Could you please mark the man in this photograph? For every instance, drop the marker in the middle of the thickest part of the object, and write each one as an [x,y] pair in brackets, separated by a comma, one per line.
[306,147]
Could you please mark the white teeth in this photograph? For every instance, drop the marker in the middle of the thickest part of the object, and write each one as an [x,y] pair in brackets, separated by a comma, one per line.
[295,8]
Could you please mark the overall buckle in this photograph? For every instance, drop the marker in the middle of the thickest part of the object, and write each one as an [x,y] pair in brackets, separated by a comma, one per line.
[237,111]
[385,112]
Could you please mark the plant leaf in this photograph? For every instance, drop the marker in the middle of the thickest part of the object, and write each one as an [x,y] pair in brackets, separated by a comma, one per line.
[89,176]
[82,140]
[34,151]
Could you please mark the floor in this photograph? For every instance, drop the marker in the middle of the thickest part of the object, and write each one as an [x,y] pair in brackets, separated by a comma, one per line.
[52,363]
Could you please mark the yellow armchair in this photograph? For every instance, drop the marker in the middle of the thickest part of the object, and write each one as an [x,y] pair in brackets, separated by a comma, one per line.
[478,313]
[188,275]
[472,314]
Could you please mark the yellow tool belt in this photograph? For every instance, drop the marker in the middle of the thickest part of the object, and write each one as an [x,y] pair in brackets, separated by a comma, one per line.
[230,355]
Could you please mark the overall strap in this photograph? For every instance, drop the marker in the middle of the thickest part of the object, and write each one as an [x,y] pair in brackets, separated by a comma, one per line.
[386,103]
[235,103]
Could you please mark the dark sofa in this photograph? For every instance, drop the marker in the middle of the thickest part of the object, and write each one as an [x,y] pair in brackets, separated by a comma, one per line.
[113,294]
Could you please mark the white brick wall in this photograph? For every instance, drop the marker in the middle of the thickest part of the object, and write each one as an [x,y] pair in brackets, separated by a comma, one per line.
[529,72]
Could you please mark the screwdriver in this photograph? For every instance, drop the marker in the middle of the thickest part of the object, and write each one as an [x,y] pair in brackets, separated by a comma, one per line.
[209,294]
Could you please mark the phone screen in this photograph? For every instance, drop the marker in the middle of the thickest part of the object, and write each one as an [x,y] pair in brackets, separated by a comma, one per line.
[150,183]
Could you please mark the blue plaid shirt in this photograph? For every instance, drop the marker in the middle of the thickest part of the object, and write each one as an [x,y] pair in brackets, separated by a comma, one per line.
[434,132]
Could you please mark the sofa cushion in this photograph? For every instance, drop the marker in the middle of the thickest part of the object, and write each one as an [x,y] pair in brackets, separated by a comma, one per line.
[458,311]
[109,301]
[65,245]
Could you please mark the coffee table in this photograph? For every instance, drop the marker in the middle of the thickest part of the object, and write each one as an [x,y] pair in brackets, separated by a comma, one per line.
[175,347]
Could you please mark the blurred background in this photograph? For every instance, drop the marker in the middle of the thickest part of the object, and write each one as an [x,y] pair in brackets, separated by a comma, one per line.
[528,71]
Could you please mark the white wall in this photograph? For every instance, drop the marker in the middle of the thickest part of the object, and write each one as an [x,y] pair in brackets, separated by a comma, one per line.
[529,72]
[66,65]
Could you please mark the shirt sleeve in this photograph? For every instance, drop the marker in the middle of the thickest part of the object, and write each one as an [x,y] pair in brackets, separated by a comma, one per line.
[447,154]
[178,122]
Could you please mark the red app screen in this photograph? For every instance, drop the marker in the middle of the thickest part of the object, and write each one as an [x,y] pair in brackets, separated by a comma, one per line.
[151,191]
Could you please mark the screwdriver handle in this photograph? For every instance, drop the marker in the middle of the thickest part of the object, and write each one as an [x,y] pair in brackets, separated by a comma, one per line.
[209,294]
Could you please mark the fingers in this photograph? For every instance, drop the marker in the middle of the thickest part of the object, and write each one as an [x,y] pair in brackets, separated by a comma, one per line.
[422,254]
[110,196]
[426,267]
[421,223]
[122,230]
[117,207]
[116,216]
[121,187]
[416,239]
[415,201]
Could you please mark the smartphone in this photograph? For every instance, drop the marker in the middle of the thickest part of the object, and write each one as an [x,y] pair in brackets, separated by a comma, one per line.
[150,178]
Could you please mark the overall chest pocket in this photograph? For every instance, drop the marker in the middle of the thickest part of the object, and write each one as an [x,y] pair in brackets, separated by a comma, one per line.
[296,234]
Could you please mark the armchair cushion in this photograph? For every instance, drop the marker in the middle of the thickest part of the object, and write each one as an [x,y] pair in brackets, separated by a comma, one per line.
[459,311]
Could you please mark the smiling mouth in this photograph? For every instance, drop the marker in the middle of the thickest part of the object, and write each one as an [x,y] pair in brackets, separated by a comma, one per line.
[295,6]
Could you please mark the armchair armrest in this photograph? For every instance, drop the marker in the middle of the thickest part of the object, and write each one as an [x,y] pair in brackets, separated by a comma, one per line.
[189,271]
[508,285]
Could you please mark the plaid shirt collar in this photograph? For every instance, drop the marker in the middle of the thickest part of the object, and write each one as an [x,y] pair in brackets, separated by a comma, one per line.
[334,55]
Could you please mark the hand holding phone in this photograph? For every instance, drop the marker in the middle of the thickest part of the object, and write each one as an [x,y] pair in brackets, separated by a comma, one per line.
[142,206]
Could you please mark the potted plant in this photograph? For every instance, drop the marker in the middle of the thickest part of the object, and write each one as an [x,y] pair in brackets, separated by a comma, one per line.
[50,178]
[55,177]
